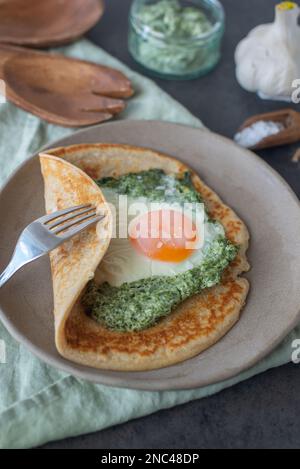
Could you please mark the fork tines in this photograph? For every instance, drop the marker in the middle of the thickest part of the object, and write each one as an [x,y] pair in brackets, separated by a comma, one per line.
[78,218]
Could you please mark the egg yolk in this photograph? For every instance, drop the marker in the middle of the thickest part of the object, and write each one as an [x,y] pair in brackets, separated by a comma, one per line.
[163,235]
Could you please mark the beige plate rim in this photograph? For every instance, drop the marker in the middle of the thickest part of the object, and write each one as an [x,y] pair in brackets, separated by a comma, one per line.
[216,363]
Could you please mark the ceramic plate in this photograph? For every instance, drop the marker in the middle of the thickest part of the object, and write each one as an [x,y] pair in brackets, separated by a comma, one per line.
[257,193]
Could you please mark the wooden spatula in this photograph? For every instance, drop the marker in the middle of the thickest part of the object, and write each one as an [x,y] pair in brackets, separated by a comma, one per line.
[290,134]
[44,23]
[64,91]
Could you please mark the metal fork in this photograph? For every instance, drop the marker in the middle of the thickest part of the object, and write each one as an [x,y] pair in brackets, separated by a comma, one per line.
[47,233]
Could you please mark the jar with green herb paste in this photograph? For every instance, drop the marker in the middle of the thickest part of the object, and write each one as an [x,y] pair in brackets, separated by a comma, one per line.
[176,39]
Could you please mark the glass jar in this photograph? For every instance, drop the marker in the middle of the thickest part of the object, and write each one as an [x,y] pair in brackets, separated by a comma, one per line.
[176,39]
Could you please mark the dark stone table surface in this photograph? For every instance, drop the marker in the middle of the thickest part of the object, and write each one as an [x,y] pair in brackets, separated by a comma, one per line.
[263,411]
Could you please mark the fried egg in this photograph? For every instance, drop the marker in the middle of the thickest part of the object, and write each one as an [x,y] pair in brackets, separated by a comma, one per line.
[154,239]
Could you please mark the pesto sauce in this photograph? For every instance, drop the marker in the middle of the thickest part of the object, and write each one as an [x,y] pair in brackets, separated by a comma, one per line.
[175,25]
[172,20]
[138,305]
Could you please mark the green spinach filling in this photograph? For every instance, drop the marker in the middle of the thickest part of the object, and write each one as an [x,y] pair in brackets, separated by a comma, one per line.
[138,305]
[154,184]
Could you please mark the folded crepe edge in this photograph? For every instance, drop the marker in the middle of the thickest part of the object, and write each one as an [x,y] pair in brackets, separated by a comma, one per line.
[67,185]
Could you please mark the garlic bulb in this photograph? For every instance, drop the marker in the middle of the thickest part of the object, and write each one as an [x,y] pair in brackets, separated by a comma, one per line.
[268,59]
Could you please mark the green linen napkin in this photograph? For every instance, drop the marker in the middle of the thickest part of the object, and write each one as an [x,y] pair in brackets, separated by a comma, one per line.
[38,403]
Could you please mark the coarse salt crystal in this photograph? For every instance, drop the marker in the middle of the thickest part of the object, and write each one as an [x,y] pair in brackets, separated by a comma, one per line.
[250,136]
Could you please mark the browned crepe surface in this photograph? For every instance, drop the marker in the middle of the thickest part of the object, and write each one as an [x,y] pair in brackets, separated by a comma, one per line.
[192,327]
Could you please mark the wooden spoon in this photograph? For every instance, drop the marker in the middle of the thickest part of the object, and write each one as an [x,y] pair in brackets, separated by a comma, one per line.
[290,134]
[44,23]
[64,91]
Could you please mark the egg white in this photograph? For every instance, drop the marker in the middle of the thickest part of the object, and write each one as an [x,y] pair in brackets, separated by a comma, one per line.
[123,263]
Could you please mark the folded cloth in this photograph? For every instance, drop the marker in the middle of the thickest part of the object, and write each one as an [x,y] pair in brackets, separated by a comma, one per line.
[38,403]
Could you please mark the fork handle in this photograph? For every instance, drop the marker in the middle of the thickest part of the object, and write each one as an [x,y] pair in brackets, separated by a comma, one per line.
[10,270]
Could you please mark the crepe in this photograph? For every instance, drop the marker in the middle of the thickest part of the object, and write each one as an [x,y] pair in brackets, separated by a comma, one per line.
[73,263]
[193,326]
